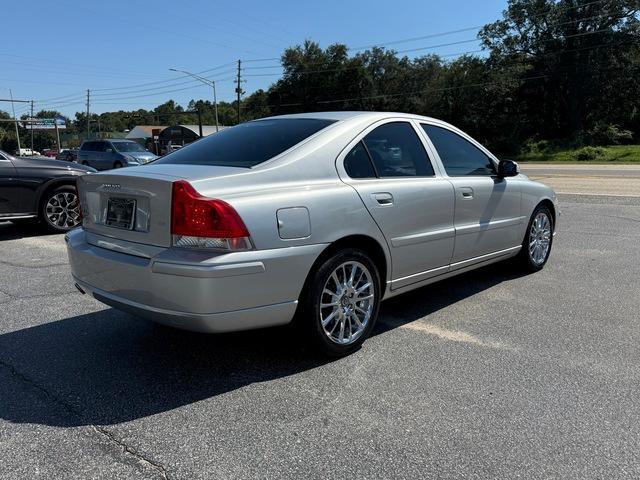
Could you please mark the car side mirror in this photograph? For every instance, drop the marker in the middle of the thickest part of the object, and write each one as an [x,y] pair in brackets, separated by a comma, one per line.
[508,168]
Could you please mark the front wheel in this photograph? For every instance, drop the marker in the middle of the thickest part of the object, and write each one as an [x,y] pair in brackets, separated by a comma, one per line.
[340,304]
[60,209]
[536,246]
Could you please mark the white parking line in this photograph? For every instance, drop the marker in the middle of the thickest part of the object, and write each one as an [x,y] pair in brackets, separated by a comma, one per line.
[452,335]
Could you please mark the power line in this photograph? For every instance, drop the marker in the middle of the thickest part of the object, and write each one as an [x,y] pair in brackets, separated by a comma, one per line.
[188,82]
[307,72]
[432,90]
[451,32]
[476,28]
[46,100]
[164,81]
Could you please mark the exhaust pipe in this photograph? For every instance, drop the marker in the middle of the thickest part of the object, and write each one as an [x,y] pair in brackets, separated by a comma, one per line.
[79,289]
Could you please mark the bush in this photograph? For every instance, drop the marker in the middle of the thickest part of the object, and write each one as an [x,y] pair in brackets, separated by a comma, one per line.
[537,146]
[608,134]
[586,154]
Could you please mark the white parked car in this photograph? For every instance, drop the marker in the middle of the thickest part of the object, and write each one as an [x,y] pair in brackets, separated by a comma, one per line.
[315,218]
[26,152]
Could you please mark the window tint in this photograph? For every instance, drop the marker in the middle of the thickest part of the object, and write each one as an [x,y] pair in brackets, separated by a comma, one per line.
[459,156]
[396,151]
[358,164]
[93,146]
[127,146]
[247,144]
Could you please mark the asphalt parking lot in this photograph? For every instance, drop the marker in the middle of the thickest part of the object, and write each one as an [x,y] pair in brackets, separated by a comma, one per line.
[492,374]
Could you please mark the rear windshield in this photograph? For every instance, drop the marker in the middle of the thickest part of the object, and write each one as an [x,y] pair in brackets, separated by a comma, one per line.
[247,144]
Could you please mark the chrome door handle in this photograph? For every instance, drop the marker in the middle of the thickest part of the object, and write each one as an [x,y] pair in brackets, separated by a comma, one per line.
[467,193]
[383,198]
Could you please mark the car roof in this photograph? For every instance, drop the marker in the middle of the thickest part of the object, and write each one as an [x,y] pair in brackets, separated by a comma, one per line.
[337,116]
[110,140]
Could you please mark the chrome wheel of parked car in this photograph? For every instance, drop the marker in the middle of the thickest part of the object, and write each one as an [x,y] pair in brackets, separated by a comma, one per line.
[347,303]
[339,304]
[62,209]
[540,238]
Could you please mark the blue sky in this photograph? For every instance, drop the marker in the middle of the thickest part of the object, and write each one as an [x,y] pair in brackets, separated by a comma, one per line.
[122,49]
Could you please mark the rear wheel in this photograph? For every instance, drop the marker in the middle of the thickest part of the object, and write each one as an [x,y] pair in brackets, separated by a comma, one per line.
[340,304]
[60,209]
[538,240]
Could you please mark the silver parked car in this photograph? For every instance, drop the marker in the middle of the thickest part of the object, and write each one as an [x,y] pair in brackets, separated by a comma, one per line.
[108,154]
[313,217]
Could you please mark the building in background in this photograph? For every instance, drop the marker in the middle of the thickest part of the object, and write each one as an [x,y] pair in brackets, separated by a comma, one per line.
[177,136]
[147,136]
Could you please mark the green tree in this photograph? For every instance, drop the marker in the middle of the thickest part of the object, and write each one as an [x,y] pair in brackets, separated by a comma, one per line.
[580,59]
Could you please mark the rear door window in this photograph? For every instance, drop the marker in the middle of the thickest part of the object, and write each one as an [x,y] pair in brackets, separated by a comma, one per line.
[248,144]
[357,163]
[396,151]
[93,146]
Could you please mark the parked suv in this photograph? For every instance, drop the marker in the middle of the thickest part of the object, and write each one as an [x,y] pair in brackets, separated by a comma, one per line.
[108,154]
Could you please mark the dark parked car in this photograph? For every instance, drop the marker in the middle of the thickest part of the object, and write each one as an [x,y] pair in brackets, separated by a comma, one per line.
[108,154]
[40,188]
[70,155]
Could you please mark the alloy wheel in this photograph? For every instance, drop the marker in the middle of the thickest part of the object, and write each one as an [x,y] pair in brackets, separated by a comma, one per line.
[540,238]
[347,302]
[62,210]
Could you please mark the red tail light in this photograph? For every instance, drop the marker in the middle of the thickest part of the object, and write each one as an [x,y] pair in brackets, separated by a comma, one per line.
[202,222]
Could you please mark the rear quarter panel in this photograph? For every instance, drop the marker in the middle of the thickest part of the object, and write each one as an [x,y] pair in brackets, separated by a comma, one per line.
[335,211]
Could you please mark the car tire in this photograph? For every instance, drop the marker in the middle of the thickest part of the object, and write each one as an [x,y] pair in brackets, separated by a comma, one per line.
[84,162]
[538,240]
[337,310]
[59,209]
[117,165]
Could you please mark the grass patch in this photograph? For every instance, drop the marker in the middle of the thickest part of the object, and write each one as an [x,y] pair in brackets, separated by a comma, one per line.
[611,154]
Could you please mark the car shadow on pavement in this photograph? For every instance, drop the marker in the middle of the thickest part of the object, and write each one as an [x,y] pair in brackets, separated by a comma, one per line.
[28,228]
[108,367]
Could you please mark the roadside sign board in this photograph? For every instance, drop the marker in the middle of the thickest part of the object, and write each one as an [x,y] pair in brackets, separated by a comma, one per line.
[45,123]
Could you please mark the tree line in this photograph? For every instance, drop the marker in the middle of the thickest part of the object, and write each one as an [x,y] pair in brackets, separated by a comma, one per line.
[551,72]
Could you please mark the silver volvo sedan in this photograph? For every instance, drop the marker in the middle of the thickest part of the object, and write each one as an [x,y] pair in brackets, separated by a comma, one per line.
[315,218]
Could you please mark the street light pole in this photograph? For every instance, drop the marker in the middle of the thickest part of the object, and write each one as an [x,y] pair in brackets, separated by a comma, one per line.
[206,81]
[13,108]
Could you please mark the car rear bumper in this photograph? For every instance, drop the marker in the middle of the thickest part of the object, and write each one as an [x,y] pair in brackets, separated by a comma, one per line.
[192,290]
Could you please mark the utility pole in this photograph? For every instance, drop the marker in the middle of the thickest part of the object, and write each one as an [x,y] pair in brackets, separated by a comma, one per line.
[31,127]
[238,90]
[55,124]
[13,108]
[88,122]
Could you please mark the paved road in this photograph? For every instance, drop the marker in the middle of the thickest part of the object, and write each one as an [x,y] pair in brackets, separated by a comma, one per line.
[490,375]
[582,170]
[613,180]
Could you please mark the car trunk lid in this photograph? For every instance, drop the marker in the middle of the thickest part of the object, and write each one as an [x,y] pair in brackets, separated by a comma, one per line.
[134,204]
